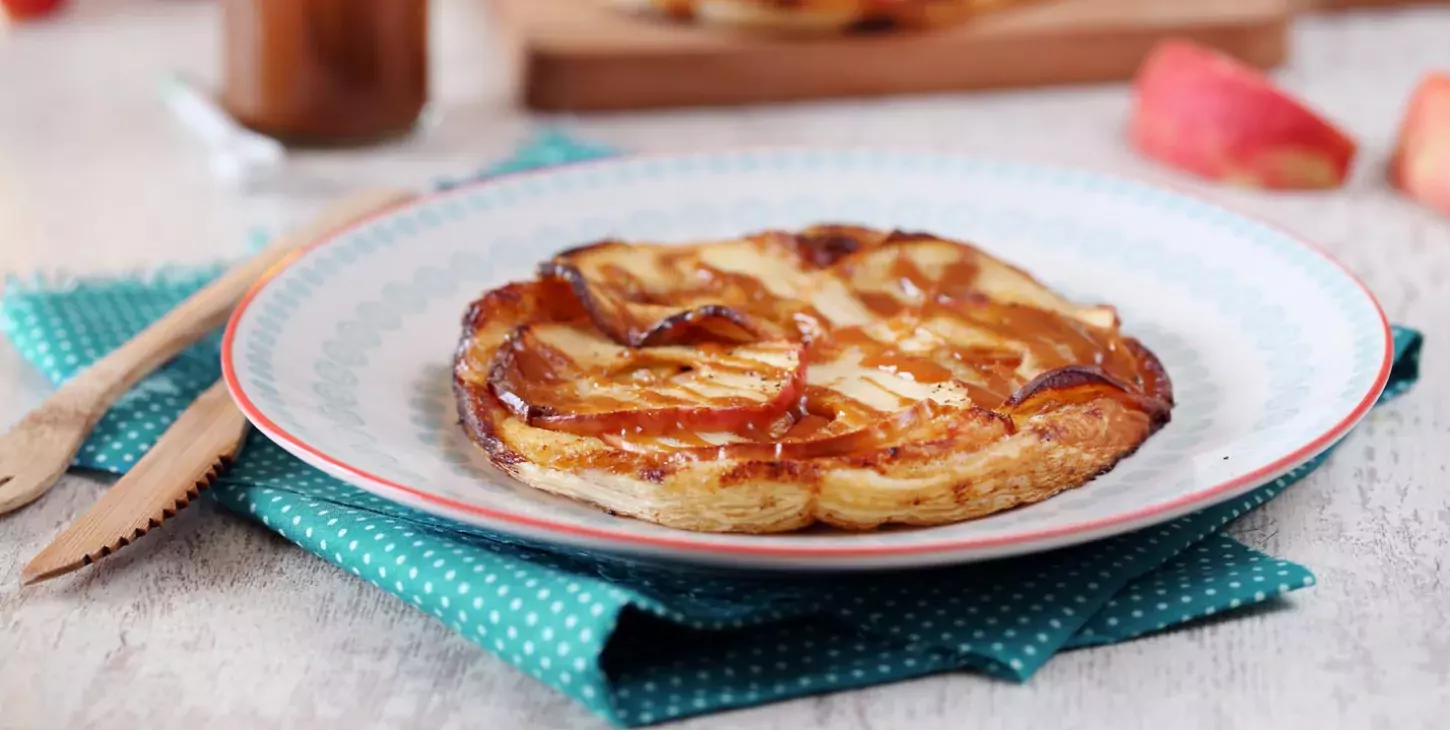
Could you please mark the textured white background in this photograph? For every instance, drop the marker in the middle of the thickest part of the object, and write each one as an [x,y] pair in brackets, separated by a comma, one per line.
[214,622]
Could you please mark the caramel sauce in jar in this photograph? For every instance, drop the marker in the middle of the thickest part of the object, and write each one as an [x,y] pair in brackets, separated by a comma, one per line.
[325,72]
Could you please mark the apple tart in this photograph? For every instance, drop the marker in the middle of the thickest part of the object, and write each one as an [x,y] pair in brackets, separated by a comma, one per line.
[839,375]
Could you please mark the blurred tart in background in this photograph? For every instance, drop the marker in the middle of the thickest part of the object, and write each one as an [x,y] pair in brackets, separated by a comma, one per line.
[815,17]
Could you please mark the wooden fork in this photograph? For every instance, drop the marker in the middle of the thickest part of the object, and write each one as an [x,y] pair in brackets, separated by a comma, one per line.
[36,451]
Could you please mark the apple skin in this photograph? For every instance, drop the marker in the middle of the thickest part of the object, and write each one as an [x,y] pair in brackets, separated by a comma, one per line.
[1082,384]
[20,10]
[1205,113]
[634,324]
[1420,166]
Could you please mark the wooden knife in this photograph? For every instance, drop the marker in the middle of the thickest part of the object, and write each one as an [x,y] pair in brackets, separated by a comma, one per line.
[189,455]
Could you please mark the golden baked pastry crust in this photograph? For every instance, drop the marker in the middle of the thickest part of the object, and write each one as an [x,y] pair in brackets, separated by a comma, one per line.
[838,374]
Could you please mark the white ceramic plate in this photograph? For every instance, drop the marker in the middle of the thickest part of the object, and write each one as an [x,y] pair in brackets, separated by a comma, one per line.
[343,356]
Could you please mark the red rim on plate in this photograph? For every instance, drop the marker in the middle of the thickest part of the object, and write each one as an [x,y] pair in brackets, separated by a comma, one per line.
[1087,530]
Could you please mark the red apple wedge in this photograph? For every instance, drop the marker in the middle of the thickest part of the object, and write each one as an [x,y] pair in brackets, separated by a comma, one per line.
[1203,112]
[1421,162]
[23,10]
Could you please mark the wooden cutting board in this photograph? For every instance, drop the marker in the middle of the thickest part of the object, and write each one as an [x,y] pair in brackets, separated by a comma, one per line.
[577,55]
[1337,4]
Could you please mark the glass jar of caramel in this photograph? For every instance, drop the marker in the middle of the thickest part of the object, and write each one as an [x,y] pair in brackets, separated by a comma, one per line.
[325,72]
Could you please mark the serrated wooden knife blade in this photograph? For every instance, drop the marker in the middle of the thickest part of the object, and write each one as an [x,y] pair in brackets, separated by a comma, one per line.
[188,456]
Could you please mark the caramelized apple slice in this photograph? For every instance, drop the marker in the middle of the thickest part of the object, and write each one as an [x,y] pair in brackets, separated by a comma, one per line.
[1208,114]
[821,246]
[1079,384]
[849,401]
[921,423]
[571,378]
[925,424]
[734,291]
[913,269]
[491,319]
[1421,163]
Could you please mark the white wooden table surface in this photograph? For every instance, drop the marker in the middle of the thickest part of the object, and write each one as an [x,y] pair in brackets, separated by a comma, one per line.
[213,622]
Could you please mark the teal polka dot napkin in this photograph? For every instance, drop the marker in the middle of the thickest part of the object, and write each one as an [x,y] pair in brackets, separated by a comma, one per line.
[636,643]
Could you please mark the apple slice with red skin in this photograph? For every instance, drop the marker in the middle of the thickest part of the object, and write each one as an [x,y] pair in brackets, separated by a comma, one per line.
[570,377]
[642,296]
[1203,112]
[908,268]
[1082,384]
[1421,163]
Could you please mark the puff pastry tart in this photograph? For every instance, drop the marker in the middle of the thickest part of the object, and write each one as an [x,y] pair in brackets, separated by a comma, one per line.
[839,375]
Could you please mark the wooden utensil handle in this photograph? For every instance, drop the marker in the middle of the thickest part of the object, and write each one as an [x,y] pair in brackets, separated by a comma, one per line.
[189,455]
[95,388]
